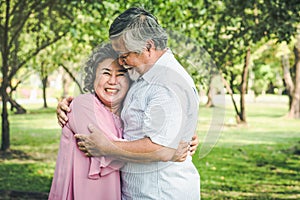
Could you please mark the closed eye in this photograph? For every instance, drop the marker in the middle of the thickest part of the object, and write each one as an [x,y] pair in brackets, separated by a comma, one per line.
[106,73]
[124,56]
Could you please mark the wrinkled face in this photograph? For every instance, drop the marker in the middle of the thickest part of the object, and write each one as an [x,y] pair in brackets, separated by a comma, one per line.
[129,59]
[111,83]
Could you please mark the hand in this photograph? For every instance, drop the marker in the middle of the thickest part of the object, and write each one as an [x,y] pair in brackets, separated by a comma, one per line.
[95,144]
[181,152]
[194,144]
[62,109]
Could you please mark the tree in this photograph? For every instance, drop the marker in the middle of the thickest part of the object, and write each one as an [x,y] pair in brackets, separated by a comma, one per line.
[43,65]
[294,111]
[45,21]
[240,25]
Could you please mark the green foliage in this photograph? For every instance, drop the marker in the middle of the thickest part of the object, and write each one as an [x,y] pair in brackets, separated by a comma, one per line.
[242,24]
[223,28]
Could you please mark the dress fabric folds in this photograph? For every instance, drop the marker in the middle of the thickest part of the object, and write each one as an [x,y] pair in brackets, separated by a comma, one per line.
[79,177]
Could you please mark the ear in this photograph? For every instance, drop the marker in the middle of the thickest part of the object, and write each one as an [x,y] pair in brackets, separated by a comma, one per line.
[150,45]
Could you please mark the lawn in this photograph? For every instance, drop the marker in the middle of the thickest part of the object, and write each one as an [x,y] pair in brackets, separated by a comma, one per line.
[259,160]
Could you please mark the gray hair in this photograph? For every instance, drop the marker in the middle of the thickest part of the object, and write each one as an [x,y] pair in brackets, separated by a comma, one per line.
[136,27]
[98,55]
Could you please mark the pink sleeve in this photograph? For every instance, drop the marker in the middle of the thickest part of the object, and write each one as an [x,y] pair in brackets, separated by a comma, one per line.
[87,109]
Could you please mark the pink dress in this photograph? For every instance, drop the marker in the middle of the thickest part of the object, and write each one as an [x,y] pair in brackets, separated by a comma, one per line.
[77,176]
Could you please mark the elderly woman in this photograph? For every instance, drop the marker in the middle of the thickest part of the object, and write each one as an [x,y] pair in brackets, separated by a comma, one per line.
[76,175]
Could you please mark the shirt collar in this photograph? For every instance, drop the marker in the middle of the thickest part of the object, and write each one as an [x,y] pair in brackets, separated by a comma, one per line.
[157,67]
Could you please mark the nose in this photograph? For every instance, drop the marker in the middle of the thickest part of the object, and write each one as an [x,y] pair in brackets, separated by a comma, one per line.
[113,79]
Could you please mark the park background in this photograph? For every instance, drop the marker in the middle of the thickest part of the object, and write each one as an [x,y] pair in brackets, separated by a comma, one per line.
[244,57]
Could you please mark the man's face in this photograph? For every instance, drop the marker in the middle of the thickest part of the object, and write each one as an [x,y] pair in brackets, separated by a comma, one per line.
[128,58]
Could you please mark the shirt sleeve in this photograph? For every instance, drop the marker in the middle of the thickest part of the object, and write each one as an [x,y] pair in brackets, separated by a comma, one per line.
[163,117]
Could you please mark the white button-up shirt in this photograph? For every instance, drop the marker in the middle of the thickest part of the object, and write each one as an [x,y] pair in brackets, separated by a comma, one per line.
[162,105]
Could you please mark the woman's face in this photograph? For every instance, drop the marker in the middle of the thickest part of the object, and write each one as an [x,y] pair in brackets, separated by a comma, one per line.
[111,83]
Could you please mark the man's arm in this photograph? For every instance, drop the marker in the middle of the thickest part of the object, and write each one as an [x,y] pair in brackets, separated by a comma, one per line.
[143,150]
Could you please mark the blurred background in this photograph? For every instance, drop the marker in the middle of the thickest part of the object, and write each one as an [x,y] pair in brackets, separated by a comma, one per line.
[247,51]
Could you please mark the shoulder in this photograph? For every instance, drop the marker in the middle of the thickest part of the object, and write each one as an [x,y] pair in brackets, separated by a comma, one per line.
[82,98]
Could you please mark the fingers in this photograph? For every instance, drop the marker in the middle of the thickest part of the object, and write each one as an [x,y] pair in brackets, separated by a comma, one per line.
[194,144]
[182,157]
[64,105]
[192,149]
[81,145]
[62,119]
[87,154]
[80,137]
[184,144]
[62,109]
[69,100]
[60,124]
[195,140]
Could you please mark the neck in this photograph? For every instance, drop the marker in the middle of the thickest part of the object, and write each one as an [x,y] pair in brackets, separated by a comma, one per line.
[154,58]
[114,109]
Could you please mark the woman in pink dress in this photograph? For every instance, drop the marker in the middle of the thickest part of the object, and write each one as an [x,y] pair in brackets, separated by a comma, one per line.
[76,175]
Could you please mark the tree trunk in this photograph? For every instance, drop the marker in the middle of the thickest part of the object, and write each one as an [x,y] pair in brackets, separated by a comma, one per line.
[209,102]
[289,84]
[13,103]
[4,50]
[73,78]
[44,82]
[243,88]
[5,123]
[229,90]
[19,108]
[295,105]
[210,94]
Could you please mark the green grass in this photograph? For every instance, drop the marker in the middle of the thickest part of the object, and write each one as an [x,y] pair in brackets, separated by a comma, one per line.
[259,160]
[34,138]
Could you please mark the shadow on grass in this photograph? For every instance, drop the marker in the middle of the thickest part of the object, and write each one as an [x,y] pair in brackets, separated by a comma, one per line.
[269,115]
[22,177]
[20,195]
[14,154]
[24,180]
